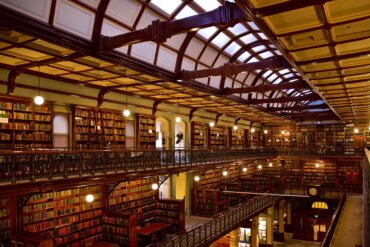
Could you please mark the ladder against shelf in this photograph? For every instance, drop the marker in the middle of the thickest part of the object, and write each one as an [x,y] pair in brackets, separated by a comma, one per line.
[145,131]
[98,128]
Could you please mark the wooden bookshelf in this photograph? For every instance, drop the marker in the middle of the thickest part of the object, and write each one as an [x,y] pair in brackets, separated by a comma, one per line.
[198,135]
[145,131]
[217,137]
[29,125]
[135,197]
[206,202]
[64,216]
[171,211]
[120,228]
[237,138]
[97,128]
[4,222]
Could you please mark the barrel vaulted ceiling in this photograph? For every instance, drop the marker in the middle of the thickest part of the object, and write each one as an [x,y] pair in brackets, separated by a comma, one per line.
[213,55]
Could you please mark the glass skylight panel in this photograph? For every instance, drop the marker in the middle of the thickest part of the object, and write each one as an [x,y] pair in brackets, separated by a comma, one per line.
[289,91]
[232,48]
[238,29]
[207,32]
[289,75]
[278,52]
[263,36]
[267,73]
[253,26]
[167,6]
[220,40]
[283,71]
[266,54]
[259,48]
[244,56]
[291,80]
[207,5]
[272,77]
[253,60]
[277,81]
[249,38]
[185,12]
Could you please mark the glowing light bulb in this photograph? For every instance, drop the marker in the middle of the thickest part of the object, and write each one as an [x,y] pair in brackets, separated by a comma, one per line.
[155,186]
[259,167]
[270,164]
[245,169]
[212,124]
[126,112]
[196,178]
[356,131]
[39,100]
[224,173]
[265,131]
[178,119]
[253,130]
[235,127]
[89,198]
[317,165]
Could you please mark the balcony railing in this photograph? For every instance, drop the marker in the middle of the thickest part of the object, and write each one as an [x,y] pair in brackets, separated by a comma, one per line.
[26,166]
[318,153]
[220,225]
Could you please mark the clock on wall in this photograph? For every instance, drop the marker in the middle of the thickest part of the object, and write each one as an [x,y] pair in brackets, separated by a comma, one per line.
[313,190]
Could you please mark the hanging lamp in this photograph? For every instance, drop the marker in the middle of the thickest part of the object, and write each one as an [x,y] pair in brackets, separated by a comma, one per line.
[126,111]
[39,100]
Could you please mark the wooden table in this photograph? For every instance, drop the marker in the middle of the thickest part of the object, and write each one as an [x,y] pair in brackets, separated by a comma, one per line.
[153,231]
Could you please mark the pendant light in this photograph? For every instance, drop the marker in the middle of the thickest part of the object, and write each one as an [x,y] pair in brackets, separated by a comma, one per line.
[178,119]
[126,111]
[211,124]
[39,100]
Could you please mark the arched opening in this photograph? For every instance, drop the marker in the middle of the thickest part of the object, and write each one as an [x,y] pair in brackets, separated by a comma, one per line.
[162,132]
[60,131]
[180,135]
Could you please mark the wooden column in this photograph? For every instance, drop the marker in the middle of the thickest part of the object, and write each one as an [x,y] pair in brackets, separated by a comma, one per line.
[269,226]
[254,232]
[279,236]
[288,225]
[234,238]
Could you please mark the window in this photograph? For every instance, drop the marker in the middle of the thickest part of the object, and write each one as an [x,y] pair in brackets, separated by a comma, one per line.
[185,12]
[220,40]
[60,131]
[167,6]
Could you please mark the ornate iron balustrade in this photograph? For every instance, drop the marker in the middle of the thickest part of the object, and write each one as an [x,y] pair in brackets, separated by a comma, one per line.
[315,153]
[335,220]
[28,166]
[220,225]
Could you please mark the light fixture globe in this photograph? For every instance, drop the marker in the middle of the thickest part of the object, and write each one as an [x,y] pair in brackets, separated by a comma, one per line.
[356,130]
[265,131]
[212,124]
[89,198]
[245,169]
[39,100]
[270,164]
[235,127]
[178,119]
[224,173]
[196,178]
[155,186]
[253,130]
[126,112]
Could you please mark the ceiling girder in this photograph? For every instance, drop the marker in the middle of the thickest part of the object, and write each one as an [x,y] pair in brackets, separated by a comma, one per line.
[267,87]
[297,108]
[228,69]
[285,99]
[159,31]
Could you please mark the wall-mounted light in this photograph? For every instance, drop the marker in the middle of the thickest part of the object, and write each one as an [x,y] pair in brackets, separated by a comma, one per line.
[244,169]
[89,198]
[196,178]
[39,100]
[155,186]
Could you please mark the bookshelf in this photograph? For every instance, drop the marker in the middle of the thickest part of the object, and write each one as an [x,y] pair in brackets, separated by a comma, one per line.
[198,135]
[120,228]
[171,211]
[206,202]
[4,221]
[217,137]
[237,138]
[27,126]
[145,131]
[255,139]
[97,128]
[64,216]
[135,197]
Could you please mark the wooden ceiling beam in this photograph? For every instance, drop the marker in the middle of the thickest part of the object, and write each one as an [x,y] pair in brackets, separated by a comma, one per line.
[297,108]
[159,31]
[285,99]
[228,69]
[267,87]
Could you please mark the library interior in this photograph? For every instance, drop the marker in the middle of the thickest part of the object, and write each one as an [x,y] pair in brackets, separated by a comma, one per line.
[184,123]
